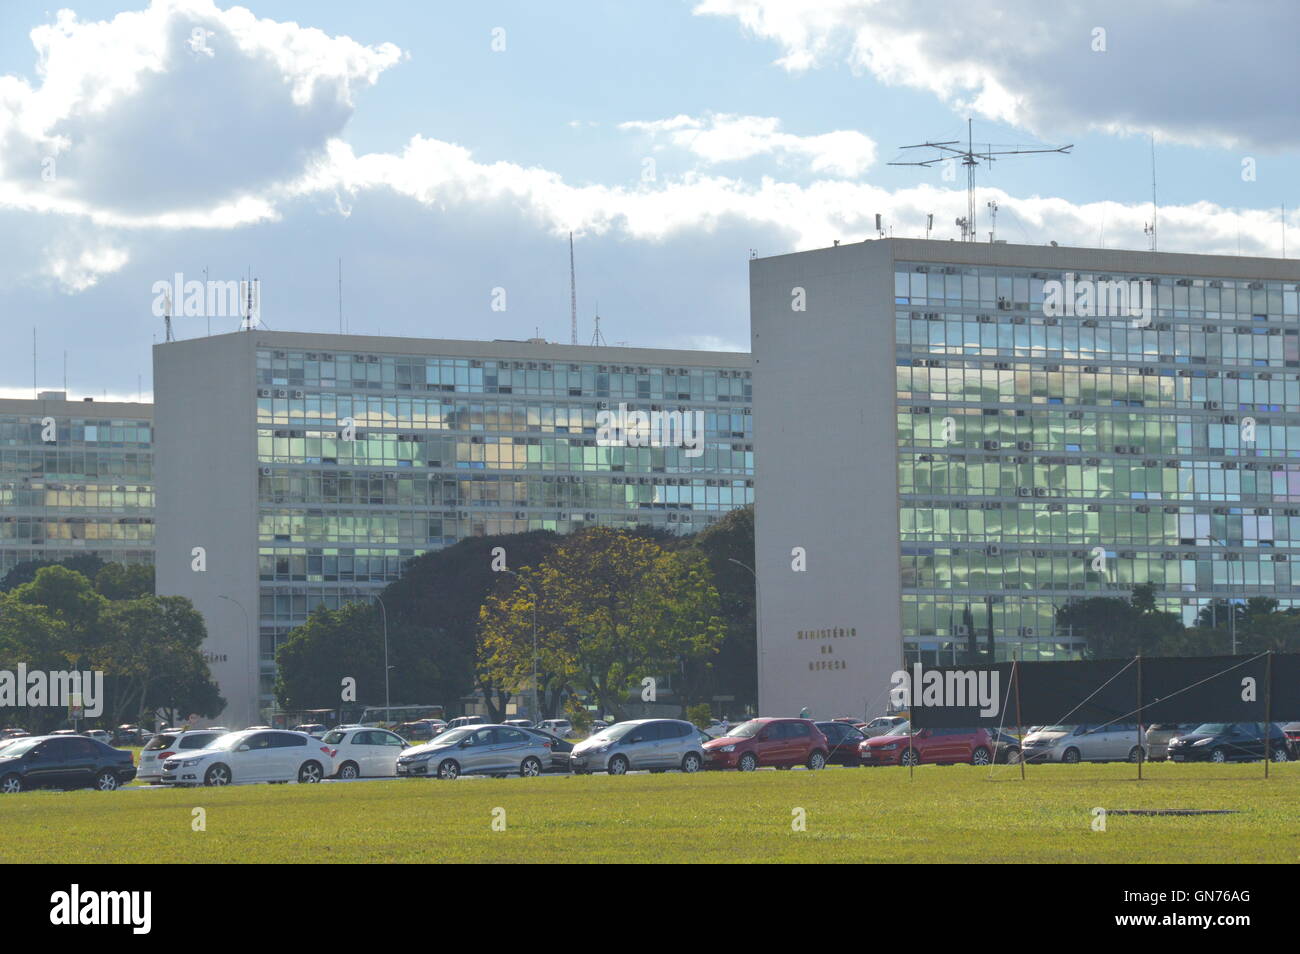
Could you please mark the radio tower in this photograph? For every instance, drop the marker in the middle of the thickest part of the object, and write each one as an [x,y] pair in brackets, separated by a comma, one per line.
[951,150]
[573,297]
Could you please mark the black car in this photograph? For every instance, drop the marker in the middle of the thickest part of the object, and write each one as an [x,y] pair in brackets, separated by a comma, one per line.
[1006,747]
[65,761]
[560,748]
[842,741]
[1230,742]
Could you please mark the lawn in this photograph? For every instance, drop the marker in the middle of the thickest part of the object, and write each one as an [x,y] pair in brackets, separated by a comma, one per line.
[946,813]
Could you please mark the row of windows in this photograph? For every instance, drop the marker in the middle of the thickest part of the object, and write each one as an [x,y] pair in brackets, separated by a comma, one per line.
[1074,524]
[1010,569]
[71,465]
[12,555]
[406,373]
[100,499]
[962,428]
[1160,342]
[1127,387]
[1023,289]
[40,529]
[420,414]
[28,431]
[1107,478]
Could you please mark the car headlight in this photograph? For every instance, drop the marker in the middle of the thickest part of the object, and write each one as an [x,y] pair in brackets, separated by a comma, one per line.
[1203,742]
[890,747]
[190,763]
[725,748]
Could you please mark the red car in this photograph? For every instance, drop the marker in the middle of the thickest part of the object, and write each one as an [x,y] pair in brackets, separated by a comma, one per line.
[780,742]
[928,746]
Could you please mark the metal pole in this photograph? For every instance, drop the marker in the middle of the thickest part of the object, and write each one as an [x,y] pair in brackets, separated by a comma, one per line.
[1141,753]
[383,612]
[1268,711]
[1020,732]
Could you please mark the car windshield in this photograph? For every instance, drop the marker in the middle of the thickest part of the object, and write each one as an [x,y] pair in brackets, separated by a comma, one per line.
[159,742]
[21,747]
[747,730]
[1212,728]
[1055,728]
[334,738]
[455,735]
[903,728]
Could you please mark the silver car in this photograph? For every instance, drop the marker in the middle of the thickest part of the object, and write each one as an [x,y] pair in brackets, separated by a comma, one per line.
[1083,743]
[654,744]
[477,750]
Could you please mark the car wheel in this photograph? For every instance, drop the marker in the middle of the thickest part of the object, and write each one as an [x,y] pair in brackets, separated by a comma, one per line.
[106,781]
[1013,756]
[1219,755]
[11,784]
[748,762]
[980,756]
[449,770]
[217,775]
[691,763]
[909,757]
[1136,754]
[531,768]
[1070,756]
[349,771]
[310,773]
[817,760]
[618,765]
[1280,755]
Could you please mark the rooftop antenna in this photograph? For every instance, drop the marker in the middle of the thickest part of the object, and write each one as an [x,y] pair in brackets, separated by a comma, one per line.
[1151,226]
[929,224]
[1284,230]
[597,339]
[205,291]
[167,313]
[573,297]
[880,227]
[35,389]
[340,295]
[951,150]
[993,223]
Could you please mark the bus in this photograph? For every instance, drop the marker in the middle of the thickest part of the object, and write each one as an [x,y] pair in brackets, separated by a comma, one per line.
[388,716]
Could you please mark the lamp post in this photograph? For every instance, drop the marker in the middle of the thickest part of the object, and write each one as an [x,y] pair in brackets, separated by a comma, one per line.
[252,659]
[1232,609]
[383,612]
[536,707]
[761,648]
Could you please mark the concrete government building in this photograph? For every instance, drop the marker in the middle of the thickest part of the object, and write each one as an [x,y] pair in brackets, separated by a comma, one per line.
[76,479]
[952,450]
[452,439]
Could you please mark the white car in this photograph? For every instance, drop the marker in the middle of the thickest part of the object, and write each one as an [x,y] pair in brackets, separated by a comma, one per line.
[882,725]
[99,735]
[560,727]
[253,755]
[164,745]
[1083,743]
[716,728]
[365,752]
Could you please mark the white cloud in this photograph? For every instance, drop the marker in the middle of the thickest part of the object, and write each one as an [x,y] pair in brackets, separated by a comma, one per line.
[1033,64]
[722,137]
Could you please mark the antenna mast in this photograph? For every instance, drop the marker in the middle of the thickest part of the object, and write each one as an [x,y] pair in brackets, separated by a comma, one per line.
[951,150]
[597,339]
[573,297]
[1151,228]
[167,317]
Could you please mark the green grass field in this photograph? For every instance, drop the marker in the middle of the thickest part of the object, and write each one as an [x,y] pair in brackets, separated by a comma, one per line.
[947,813]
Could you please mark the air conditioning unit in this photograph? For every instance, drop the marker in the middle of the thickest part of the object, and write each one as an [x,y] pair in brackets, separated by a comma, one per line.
[264,471]
[992,550]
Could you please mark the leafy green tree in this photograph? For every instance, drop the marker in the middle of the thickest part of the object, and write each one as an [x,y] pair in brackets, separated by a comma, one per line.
[87,564]
[124,581]
[1117,628]
[734,670]
[332,646]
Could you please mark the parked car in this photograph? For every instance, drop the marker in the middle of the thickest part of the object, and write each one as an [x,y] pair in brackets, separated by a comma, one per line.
[421,730]
[48,761]
[1006,747]
[1084,743]
[783,743]
[716,728]
[14,733]
[252,755]
[599,725]
[1292,731]
[561,727]
[1160,734]
[560,749]
[843,740]
[131,735]
[935,746]
[167,744]
[365,752]
[882,725]
[461,721]
[1231,742]
[477,750]
[654,744]
[314,729]
[519,723]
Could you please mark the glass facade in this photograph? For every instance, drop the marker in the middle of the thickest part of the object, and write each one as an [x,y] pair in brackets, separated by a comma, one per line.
[87,489]
[1170,442]
[443,448]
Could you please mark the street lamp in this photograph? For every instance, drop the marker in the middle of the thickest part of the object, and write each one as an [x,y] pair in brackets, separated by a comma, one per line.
[1232,609]
[383,612]
[252,660]
[536,707]
[761,648]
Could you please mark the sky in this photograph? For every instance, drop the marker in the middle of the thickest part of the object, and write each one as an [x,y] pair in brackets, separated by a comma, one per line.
[444,152]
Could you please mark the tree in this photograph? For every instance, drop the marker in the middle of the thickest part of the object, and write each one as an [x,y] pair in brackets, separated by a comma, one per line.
[333,646]
[124,581]
[1117,628]
[734,670]
[615,608]
[87,564]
